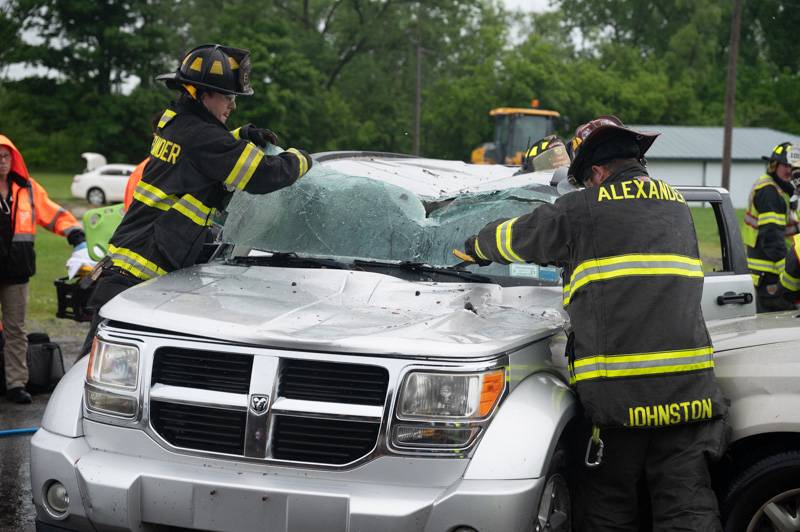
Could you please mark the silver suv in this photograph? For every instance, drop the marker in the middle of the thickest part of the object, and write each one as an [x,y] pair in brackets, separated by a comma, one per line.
[333,368]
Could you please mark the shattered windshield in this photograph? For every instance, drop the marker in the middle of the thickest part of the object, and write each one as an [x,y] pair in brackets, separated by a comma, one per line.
[348,217]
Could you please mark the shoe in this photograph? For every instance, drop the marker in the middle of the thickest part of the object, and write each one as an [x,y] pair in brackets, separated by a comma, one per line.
[19,395]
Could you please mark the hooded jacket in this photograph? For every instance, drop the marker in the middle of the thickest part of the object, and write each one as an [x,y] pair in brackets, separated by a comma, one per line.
[30,206]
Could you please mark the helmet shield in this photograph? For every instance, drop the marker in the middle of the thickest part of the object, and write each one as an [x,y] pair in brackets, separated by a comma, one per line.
[548,153]
[603,139]
[213,67]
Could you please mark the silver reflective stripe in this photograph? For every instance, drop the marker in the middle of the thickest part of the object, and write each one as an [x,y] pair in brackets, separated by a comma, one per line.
[157,201]
[138,265]
[22,238]
[649,265]
[243,170]
[52,225]
[200,216]
[656,363]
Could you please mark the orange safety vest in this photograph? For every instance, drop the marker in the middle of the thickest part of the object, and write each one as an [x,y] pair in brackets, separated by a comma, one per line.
[30,206]
[133,180]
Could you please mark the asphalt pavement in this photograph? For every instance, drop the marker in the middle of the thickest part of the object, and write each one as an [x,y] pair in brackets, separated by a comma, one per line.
[16,504]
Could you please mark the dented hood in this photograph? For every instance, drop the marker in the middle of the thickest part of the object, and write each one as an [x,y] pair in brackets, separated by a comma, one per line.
[342,311]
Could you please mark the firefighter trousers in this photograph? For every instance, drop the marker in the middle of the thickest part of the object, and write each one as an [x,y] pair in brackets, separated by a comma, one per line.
[672,462]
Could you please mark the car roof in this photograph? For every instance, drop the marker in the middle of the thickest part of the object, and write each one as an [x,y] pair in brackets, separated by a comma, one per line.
[427,178]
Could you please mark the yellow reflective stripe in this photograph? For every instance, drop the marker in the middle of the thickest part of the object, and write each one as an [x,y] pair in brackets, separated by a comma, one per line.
[661,362]
[302,160]
[479,252]
[507,239]
[755,278]
[498,237]
[643,371]
[153,196]
[245,166]
[193,209]
[236,133]
[168,115]
[630,265]
[790,282]
[777,218]
[134,263]
[767,266]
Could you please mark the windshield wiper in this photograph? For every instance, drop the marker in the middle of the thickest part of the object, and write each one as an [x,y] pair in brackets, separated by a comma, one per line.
[291,258]
[422,267]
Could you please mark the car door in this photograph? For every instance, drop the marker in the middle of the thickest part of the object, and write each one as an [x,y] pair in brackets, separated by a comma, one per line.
[116,179]
[728,290]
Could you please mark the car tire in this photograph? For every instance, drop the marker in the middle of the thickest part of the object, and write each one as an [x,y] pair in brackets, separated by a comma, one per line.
[96,196]
[554,513]
[765,496]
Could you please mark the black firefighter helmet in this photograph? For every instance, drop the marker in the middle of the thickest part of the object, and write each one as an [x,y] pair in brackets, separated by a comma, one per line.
[213,67]
[603,139]
[783,153]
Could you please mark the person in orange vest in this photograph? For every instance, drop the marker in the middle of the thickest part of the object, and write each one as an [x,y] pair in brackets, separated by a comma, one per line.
[133,180]
[24,204]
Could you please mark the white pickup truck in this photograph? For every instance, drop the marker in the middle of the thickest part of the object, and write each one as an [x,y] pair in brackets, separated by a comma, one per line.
[332,369]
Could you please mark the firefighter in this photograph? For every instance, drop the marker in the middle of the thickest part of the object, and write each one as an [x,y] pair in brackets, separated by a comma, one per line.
[640,357]
[768,222]
[548,153]
[790,275]
[195,164]
[23,205]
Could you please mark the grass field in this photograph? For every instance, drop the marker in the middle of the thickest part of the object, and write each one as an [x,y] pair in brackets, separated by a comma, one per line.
[53,251]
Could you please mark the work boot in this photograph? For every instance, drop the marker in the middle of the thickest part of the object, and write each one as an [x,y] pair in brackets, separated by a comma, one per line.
[19,395]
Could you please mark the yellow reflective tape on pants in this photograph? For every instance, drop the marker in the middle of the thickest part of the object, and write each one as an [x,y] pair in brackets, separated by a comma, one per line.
[165,118]
[765,266]
[631,265]
[639,364]
[194,209]
[134,263]
[245,166]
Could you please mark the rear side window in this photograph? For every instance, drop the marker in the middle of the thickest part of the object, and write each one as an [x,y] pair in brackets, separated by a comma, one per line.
[707,218]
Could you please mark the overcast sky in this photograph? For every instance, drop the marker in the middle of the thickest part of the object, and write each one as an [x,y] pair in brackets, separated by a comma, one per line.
[528,5]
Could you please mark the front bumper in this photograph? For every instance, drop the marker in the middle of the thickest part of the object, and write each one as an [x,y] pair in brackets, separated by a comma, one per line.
[110,491]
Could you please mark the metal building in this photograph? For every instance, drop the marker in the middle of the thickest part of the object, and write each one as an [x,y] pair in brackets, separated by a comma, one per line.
[689,155]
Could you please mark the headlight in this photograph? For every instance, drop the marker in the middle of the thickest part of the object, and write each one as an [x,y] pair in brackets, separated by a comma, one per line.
[112,379]
[113,365]
[445,411]
[456,396]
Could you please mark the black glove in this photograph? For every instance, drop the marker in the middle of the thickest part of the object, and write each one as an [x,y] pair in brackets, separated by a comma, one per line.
[258,136]
[469,249]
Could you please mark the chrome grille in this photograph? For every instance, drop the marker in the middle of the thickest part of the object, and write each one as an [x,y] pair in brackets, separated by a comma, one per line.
[319,412]
[327,441]
[205,370]
[333,382]
[197,427]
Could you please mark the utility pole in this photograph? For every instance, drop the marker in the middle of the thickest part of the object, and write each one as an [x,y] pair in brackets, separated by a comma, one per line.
[730,93]
[418,98]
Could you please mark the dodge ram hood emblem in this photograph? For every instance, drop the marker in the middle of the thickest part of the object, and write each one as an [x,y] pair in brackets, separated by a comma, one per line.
[259,403]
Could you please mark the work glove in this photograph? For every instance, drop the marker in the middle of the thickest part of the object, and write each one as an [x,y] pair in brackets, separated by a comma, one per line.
[469,249]
[258,136]
[305,160]
[78,259]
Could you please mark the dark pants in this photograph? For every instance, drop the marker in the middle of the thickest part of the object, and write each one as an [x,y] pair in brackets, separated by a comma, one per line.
[672,461]
[110,284]
[772,298]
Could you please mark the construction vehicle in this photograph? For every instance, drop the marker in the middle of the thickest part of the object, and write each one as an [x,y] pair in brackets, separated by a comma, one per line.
[515,129]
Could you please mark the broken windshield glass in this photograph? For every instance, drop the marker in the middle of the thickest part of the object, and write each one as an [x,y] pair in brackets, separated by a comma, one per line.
[331,214]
